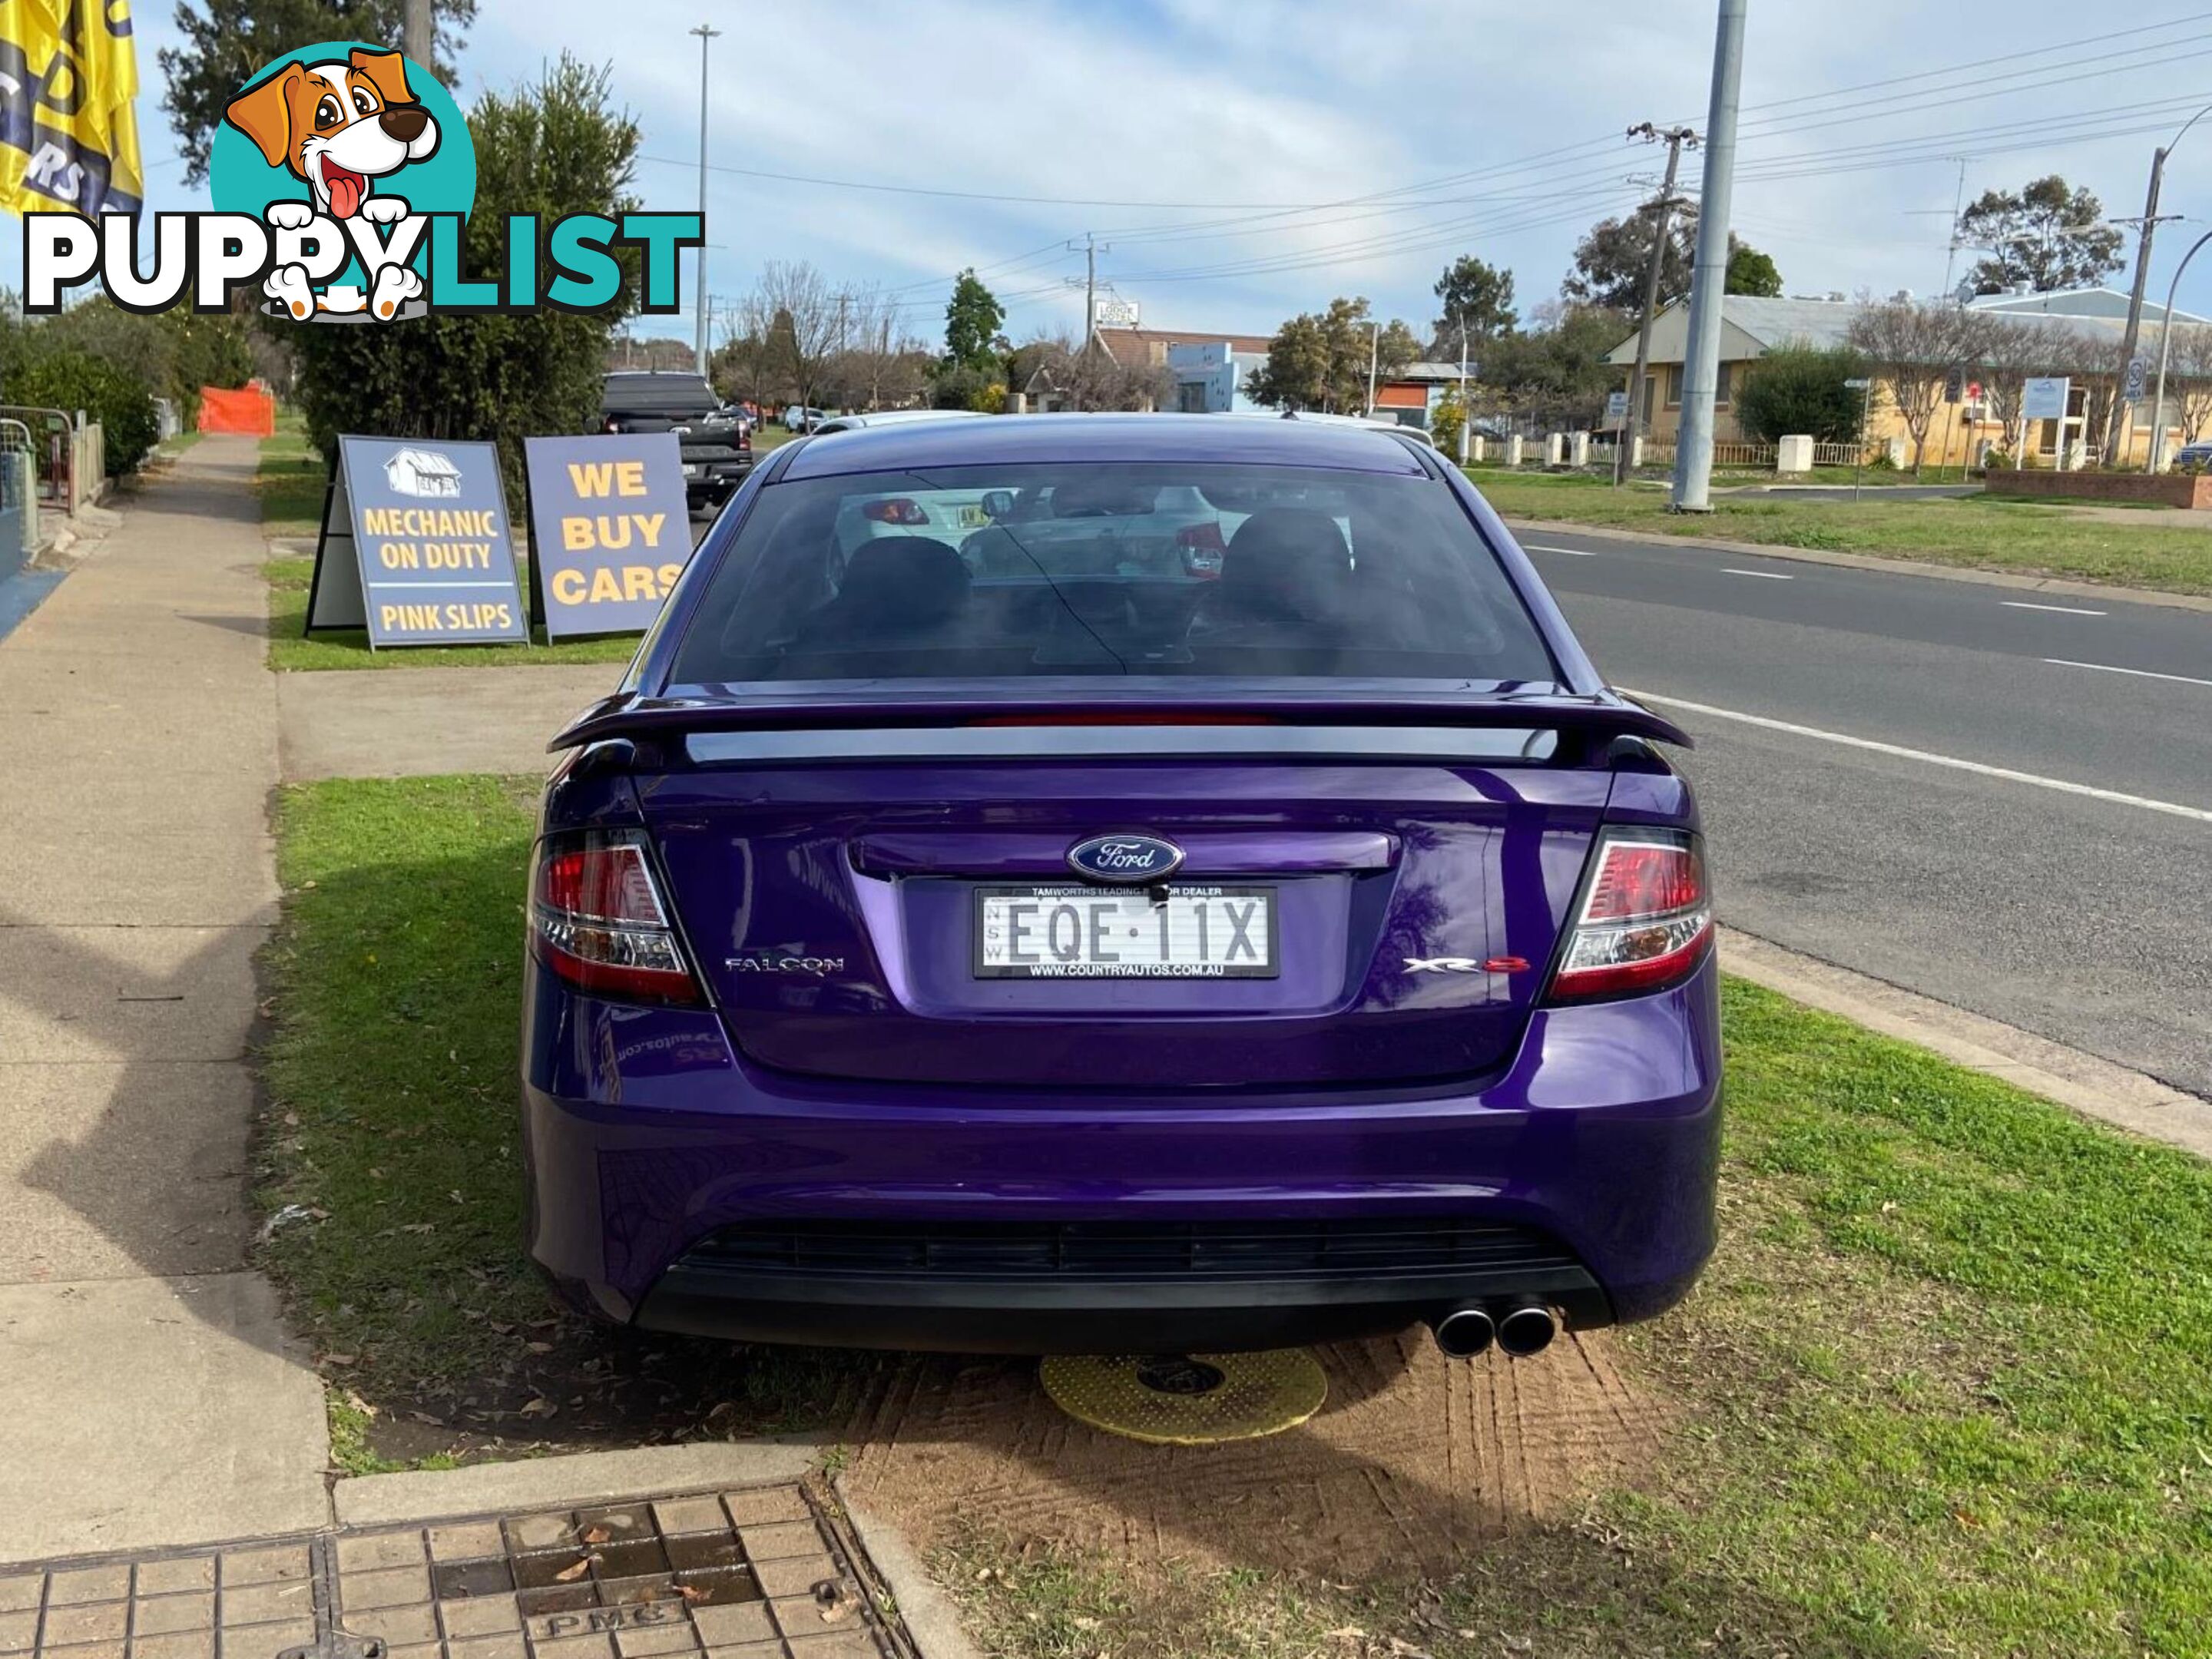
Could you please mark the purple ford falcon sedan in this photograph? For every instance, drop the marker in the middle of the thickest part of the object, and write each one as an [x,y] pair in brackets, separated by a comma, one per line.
[1117,883]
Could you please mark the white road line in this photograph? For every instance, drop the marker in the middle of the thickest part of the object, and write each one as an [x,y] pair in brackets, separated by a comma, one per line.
[2174,809]
[2139,673]
[1579,552]
[1764,575]
[2069,610]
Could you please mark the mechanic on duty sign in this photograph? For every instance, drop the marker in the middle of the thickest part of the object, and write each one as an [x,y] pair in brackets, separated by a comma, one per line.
[609,529]
[432,562]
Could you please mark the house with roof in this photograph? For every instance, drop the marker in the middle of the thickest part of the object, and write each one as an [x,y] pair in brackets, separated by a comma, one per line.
[2091,321]
[1210,368]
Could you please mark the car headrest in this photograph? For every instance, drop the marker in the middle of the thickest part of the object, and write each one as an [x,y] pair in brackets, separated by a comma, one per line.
[902,580]
[1103,498]
[1288,558]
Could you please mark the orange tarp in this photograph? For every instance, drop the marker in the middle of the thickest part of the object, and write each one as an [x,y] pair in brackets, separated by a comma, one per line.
[252,412]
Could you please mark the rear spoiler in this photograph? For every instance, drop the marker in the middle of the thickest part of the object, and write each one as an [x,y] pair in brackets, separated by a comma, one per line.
[1594,718]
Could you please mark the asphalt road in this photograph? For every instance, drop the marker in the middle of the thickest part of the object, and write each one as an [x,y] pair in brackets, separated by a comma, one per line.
[1852,726]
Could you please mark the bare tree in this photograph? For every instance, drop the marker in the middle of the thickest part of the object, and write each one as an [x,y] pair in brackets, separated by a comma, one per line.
[1913,348]
[1091,380]
[2011,350]
[794,314]
[880,362]
[2189,380]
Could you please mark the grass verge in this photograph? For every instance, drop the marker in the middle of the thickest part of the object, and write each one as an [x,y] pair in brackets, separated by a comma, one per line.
[290,648]
[290,481]
[1941,1391]
[1973,532]
[392,1128]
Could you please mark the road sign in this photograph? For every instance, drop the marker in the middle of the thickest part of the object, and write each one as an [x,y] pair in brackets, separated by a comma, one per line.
[609,529]
[2043,398]
[2138,372]
[1616,408]
[427,559]
[1858,385]
[1954,387]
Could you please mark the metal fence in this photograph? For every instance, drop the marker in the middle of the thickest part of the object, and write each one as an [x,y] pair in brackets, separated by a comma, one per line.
[1747,456]
[1845,454]
[19,510]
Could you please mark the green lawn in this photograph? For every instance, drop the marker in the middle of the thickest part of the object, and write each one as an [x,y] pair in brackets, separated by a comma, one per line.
[290,481]
[2026,538]
[1943,1390]
[348,647]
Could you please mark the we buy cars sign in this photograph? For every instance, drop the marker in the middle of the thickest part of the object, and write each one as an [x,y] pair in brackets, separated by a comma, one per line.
[609,531]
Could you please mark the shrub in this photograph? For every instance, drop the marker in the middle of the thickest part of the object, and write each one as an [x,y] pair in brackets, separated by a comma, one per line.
[69,379]
[556,147]
[1800,388]
[1445,421]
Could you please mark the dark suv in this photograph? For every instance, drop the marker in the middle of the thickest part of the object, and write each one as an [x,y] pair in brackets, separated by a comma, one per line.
[718,451]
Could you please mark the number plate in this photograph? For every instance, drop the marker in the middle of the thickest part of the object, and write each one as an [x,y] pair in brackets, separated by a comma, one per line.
[1098,933]
[691,469]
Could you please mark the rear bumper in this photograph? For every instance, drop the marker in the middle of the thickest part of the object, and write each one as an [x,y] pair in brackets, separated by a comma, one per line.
[1106,1288]
[647,1141]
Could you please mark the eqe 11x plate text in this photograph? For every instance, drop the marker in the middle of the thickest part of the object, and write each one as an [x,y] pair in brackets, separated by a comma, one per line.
[1069,931]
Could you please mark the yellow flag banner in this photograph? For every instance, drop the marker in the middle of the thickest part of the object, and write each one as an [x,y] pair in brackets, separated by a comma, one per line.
[69,123]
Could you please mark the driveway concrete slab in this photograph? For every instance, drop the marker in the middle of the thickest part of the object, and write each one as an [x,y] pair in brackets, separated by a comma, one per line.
[129,1167]
[418,722]
[75,993]
[144,1412]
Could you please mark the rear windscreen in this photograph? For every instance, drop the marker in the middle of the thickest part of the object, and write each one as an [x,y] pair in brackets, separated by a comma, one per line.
[981,572]
[658,394]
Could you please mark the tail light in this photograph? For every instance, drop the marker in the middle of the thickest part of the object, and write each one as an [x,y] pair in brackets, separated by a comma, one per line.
[1646,920]
[598,921]
[1202,548]
[895,510]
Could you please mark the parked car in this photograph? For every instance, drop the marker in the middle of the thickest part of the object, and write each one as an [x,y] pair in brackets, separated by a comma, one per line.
[717,450]
[1076,959]
[891,417]
[2193,458]
[801,418]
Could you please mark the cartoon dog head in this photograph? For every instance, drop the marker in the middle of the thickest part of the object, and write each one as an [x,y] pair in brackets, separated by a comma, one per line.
[338,125]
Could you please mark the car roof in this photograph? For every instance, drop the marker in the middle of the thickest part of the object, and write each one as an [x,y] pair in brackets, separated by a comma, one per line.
[1048,438]
[893,418]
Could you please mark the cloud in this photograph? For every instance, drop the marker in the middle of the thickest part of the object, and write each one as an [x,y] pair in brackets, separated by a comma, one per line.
[1520,111]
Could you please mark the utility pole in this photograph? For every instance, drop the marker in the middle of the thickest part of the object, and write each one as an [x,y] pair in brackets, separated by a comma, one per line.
[1092,247]
[2146,228]
[1374,360]
[706,32]
[418,32]
[1662,211]
[1701,366]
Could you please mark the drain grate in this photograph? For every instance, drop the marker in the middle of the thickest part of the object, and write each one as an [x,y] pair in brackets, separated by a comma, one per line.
[757,1573]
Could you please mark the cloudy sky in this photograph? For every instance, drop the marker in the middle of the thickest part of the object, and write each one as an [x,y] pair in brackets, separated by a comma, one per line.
[1247,159]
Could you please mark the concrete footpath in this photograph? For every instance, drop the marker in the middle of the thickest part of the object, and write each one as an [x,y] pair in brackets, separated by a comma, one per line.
[147,1393]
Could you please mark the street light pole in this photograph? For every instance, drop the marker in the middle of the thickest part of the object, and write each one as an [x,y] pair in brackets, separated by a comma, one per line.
[1465,419]
[2165,346]
[1701,364]
[706,32]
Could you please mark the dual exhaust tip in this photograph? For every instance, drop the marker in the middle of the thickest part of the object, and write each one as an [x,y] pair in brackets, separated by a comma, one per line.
[1523,1329]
